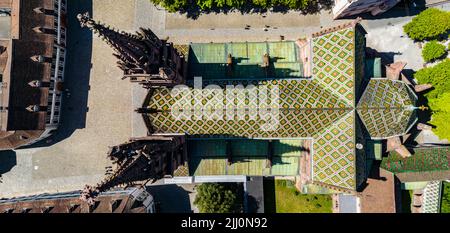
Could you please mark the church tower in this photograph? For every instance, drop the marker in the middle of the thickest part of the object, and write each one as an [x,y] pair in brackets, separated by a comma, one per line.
[143,57]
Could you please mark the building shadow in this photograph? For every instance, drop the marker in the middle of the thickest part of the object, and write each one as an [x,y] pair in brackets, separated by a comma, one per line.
[403,9]
[171,198]
[269,195]
[8,160]
[77,75]
[255,195]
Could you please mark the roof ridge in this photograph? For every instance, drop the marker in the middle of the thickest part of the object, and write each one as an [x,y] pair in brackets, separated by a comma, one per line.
[351,24]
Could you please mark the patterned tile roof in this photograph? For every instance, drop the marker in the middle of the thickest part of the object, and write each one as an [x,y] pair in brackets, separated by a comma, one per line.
[333,63]
[387,108]
[304,107]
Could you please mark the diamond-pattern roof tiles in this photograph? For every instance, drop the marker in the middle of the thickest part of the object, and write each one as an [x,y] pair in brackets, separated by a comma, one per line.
[387,108]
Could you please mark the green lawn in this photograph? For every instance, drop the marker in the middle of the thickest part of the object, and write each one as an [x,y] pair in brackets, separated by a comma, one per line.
[281,196]
[445,204]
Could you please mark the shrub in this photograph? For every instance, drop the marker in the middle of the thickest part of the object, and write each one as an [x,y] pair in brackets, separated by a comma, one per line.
[432,51]
[215,198]
[429,24]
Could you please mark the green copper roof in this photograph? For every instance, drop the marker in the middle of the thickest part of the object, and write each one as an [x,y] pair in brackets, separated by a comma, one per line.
[210,60]
[249,157]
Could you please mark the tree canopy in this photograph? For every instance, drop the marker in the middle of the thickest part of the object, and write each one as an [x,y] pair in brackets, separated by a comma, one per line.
[429,24]
[439,98]
[215,198]
[178,5]
[438,76]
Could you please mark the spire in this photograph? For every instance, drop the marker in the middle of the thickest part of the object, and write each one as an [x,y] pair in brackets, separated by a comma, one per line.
[138,53]
[142,56]
[138,160]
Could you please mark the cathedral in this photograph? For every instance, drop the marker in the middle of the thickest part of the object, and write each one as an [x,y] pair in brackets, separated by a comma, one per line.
[306,109]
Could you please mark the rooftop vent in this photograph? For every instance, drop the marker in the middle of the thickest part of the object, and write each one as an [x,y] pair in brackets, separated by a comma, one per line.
[35,83]
[41,59]
[33,108]
[44,30]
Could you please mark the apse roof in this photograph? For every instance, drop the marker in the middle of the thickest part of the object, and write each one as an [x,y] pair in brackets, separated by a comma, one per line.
[387,108]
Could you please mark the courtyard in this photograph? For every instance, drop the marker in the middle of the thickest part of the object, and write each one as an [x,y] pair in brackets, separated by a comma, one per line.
[281,196]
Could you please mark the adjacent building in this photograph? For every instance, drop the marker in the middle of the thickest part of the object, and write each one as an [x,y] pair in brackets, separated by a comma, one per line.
[422,174]
[32,57]
[343,8]
[132,200]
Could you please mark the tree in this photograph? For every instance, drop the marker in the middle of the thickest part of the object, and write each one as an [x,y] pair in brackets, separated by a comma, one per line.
[215,198]
[262,3]
[172,5]
[439,98]
[432,51]
[438,76]
[206,5]
[429,24]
